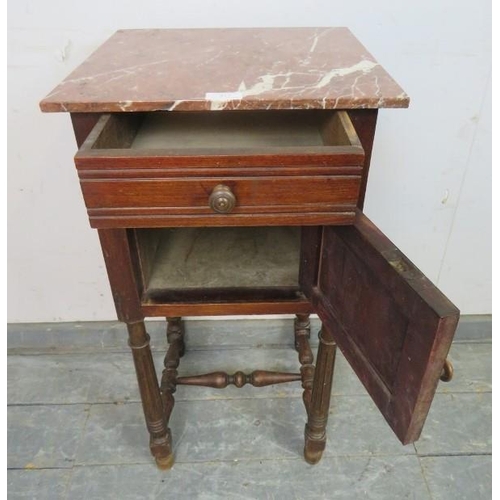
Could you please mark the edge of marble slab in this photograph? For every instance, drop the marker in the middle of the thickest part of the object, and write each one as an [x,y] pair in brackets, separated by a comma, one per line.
[390,102]
[30,338]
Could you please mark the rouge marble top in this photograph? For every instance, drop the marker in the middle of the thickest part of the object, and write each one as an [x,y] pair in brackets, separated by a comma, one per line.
[237,68]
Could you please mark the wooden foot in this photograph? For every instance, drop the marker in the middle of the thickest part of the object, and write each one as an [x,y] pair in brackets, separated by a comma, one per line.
[313,450]
[165,463]
[315,430]
[162,451]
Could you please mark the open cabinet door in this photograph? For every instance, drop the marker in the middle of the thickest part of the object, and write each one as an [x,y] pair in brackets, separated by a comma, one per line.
[392,324]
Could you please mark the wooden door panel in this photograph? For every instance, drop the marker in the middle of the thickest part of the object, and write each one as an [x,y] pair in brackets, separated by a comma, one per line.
[393,325]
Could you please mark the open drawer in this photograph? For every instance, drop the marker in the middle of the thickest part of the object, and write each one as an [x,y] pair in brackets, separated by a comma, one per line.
[221,168]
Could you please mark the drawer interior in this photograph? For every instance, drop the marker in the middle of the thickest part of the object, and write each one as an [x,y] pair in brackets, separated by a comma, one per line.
[229,130]
[218,263]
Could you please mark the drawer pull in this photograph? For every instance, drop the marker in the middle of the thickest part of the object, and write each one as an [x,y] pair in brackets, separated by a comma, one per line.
[222,199]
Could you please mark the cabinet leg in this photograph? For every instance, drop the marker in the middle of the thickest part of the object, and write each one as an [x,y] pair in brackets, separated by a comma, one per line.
[315,431]
[160,438]
[168,386]
[175,333]
[306,358]
[302,327]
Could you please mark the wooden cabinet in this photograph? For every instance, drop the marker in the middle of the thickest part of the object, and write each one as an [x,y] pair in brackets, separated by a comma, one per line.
[235,185]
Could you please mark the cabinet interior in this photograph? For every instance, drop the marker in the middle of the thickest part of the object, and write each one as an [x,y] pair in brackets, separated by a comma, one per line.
[226,263]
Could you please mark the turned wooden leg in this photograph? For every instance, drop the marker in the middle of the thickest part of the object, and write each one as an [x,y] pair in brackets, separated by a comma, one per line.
[302,327]
[160,439]
[302,334]
[118,251]
[175,332]
[176,348]
[315,431]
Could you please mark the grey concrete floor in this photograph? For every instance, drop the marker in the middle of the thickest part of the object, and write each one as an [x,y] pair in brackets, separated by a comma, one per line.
[76,430]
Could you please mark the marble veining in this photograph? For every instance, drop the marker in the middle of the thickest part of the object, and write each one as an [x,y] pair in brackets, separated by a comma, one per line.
[237,68]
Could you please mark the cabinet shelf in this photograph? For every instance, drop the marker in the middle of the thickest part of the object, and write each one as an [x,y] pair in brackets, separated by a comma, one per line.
[220,264]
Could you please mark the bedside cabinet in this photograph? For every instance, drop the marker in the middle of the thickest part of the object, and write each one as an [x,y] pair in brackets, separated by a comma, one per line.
[225,171]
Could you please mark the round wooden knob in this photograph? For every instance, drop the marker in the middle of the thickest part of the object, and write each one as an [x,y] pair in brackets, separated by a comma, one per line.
[222,199]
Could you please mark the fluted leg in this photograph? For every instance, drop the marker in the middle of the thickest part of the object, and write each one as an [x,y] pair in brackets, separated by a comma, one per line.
[315,431]
[160,440]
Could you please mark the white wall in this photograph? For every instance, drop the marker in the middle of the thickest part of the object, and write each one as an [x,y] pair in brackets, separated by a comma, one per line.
[430,183]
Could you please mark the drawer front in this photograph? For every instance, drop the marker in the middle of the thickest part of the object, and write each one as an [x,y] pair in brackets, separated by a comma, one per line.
[257,200]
